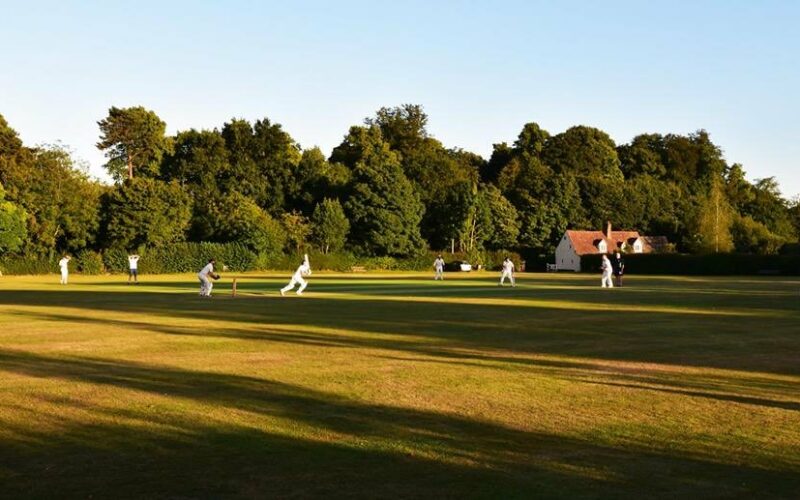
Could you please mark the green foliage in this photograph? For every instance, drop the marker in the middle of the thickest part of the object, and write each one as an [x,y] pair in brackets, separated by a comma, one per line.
[199,160]
[10,143]
[237,218]
[297,228]
[330,226]
[133,140]
[547,203]
[13,230]
[263,162]
[27,264]
[89,262]
[383,209]
[61,202]
[318,179]
[503,219]
[750,236]
[387,190]
[183,258]
[711,228]
[146,212]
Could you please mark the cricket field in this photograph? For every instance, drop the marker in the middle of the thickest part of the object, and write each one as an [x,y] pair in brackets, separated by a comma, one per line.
[396,386]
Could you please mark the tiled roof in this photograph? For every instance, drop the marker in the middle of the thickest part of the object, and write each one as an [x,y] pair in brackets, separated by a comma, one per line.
[585,242]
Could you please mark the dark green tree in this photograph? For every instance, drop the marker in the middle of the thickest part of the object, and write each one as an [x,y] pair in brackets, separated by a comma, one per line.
[318,179]
[590,156]
[237,218]
[384,210]
[547,203]
[199,160]
[62,203]
[502,154]
[146,212]
[199,163]
[134,141]
[643,156]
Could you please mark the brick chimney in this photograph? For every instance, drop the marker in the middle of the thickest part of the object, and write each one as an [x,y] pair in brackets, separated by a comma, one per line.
[607,231]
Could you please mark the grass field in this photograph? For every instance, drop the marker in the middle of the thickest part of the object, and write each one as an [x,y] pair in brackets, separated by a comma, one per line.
[395,386]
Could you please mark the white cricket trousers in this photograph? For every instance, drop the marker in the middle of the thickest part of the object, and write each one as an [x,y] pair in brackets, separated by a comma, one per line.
[606,281]
[439,275]
[205,286]
[64,277]
[295,280]
[510,277]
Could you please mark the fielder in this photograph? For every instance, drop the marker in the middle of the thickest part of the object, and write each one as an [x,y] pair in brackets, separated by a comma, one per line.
[438,267]
[133,268]
[618,264]
[303,270]
[204,275]
[507,272]
[607,269]
[63,264]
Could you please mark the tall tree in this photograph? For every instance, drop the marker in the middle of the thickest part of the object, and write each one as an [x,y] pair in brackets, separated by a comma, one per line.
[384,210]
[547,203]
[330,225]
[146,212]
[590,156]
[713,220]
[199,160]
[61,201]
[133,140]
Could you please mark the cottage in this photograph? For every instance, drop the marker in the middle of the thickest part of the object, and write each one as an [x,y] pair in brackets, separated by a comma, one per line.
[574,244]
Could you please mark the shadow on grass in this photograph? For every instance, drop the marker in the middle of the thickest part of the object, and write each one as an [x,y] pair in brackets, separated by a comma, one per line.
[754,343]
[743,388]
[335,447]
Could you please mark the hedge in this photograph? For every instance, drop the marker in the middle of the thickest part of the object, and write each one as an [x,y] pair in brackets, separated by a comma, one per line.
[28,265]
[235,257]
[183,258]
[728,264]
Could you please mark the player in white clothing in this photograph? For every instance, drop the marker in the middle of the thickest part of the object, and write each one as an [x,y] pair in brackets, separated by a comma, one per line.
[607,269]
[205,276]
[303,270]
[64,265]
[438,267]
[507,272]
[133,268]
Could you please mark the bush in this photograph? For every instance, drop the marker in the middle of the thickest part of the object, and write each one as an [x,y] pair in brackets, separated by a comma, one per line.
[702,265]
[116,260]
[89,262]
[184,258]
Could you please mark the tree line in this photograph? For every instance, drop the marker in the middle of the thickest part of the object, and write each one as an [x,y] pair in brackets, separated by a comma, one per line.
[389,189]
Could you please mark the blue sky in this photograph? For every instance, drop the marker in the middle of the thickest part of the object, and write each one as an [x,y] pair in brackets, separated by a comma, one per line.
[480,69]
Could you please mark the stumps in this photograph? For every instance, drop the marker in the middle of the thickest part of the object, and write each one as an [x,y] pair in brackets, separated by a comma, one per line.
[233,288]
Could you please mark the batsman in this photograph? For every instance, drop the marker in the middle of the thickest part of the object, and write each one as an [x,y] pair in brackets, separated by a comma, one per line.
[205,275]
